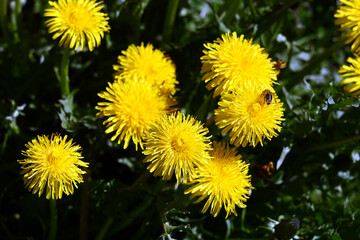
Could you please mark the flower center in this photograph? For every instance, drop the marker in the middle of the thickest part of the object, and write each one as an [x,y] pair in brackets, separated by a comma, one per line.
[78,19]
[254,108]
[178,144]
[140,114]
[52,158]
[150,71]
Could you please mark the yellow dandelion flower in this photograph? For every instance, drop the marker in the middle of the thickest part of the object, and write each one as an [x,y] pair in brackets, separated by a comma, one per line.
[147,62]
[224,179]
[176,143]
[351,73]
[235,60]
[250,114]
[52,163]
[131,107]
[348,17]
[77,22]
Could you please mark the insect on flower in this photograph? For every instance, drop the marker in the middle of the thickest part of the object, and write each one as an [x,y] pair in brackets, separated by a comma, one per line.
[279,65]
[264,171]
[247,117]
[267,96]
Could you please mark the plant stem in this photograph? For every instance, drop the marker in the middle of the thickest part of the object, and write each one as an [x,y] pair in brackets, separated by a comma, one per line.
[201,113]
[252,9]
[170,18]
[243,228]
[104,228]
[64,73]
[3,145]
[335,143]
[232,8]
[3,18]
[272,18]
[18,12]
[84,206]
[15,21]
[53,219]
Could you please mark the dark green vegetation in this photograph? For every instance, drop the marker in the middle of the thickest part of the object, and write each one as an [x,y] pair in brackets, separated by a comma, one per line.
[316,155]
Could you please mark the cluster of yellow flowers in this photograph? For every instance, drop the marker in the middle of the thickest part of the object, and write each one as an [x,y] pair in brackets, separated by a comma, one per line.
[243,76]
[140,94]
[348,17]
[140,108]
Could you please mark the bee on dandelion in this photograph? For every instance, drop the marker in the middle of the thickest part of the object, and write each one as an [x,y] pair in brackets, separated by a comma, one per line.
[77,22]
[278,65]
[266,96]
[250,115]
[223,180]
[52,164]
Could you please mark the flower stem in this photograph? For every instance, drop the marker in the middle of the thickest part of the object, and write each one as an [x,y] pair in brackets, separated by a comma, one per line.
[15,21]
[252,9]
[202,111]
[243,228]
[3,18]
[170,18]
[232,8]
[334,143]
[104,228]
[64,73]
[53,219]
[84,206]
[273,17]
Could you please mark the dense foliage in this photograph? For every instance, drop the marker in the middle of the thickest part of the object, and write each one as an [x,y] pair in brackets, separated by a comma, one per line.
[316,155]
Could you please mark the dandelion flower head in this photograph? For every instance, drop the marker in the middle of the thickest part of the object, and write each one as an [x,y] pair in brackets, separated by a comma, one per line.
[250,115]
[224,180]
[131,107]
[348,17]
[235,60]
[52,163]
[176,143]
[77,22]
[148,62]
[351,75]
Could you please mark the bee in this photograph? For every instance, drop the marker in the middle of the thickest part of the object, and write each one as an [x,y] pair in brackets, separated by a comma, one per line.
[279,65]
[264,170]
[267,96]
